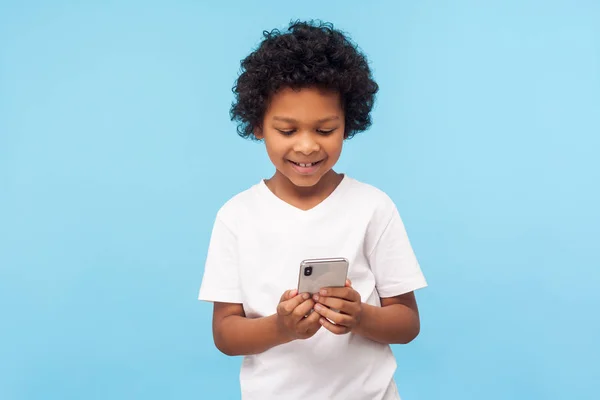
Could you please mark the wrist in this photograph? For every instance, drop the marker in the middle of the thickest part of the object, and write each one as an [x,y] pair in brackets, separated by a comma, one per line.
[359,328]
[281,336]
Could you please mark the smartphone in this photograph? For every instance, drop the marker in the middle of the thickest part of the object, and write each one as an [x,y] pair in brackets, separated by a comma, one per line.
[318,273]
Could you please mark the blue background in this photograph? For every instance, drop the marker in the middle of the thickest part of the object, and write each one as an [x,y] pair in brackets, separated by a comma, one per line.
[116,150]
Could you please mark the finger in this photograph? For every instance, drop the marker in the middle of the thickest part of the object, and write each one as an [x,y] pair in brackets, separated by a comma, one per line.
[348,283]
[310,322]
[334,303]
[303,309]
[288,294]
[337,318]
[284,296]
[313,329]
[288,306]
[336,329]
[346,293]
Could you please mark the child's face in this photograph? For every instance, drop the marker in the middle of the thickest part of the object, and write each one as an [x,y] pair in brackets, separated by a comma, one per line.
[303,127]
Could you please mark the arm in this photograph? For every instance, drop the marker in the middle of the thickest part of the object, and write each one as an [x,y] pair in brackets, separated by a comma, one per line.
[396,270]
[396,321]
[234,334]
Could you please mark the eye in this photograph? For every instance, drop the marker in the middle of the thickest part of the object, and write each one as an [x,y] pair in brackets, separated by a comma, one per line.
[286,133]
[325,131]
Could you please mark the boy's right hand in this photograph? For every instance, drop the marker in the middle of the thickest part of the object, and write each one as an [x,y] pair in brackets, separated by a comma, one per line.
[291,312]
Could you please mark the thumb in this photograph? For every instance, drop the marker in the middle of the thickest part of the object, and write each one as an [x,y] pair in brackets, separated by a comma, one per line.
[348,283]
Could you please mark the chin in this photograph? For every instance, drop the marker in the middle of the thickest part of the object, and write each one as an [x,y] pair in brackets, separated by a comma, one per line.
[304,181]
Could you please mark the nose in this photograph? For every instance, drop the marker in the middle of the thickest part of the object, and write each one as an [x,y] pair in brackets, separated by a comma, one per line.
[306,144]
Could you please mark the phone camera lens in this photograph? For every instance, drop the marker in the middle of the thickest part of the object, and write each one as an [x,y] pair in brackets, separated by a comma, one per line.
[308,271]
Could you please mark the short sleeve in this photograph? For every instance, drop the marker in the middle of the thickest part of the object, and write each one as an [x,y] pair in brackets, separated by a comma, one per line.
[220,282]
[393,261]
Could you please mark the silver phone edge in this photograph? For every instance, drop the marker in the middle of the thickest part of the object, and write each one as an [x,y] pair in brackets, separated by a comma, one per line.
[320,261]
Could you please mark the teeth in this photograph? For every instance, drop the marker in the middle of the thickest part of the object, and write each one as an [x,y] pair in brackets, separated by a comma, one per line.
[304,165]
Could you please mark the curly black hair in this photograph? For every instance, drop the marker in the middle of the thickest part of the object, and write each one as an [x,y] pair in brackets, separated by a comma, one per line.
[308,54]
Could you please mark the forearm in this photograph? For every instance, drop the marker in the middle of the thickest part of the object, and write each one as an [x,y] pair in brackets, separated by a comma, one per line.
[394,323]
[239,335]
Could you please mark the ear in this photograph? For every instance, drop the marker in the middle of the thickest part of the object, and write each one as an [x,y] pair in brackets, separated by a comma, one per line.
[258,133]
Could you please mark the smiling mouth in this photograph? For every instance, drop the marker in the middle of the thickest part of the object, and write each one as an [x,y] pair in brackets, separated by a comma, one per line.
[306,165]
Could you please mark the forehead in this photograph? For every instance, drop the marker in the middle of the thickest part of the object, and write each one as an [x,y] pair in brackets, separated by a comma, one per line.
[306,104]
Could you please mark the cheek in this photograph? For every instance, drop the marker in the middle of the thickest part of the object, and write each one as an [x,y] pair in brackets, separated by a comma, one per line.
[334,149]
[275,151]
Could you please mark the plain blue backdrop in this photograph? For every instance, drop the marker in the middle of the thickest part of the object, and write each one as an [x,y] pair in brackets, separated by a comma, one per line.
[116,151]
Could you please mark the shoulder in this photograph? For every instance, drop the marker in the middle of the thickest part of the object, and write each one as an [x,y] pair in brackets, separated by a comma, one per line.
[370,196]
[238,205]
[372,205]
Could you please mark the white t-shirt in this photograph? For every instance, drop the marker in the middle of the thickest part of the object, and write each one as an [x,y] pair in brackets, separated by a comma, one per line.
[257,244]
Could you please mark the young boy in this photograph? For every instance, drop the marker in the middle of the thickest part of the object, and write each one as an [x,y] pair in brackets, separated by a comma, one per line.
[303,92]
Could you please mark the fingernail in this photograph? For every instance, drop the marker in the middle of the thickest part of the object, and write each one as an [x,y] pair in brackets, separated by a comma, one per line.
[316,297]
[305,296]
[318,307]
[323,292]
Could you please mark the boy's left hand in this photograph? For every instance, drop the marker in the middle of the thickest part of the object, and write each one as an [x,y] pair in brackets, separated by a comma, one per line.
[346,300]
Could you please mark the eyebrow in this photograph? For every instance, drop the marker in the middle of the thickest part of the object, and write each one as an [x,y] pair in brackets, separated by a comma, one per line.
[292,120]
